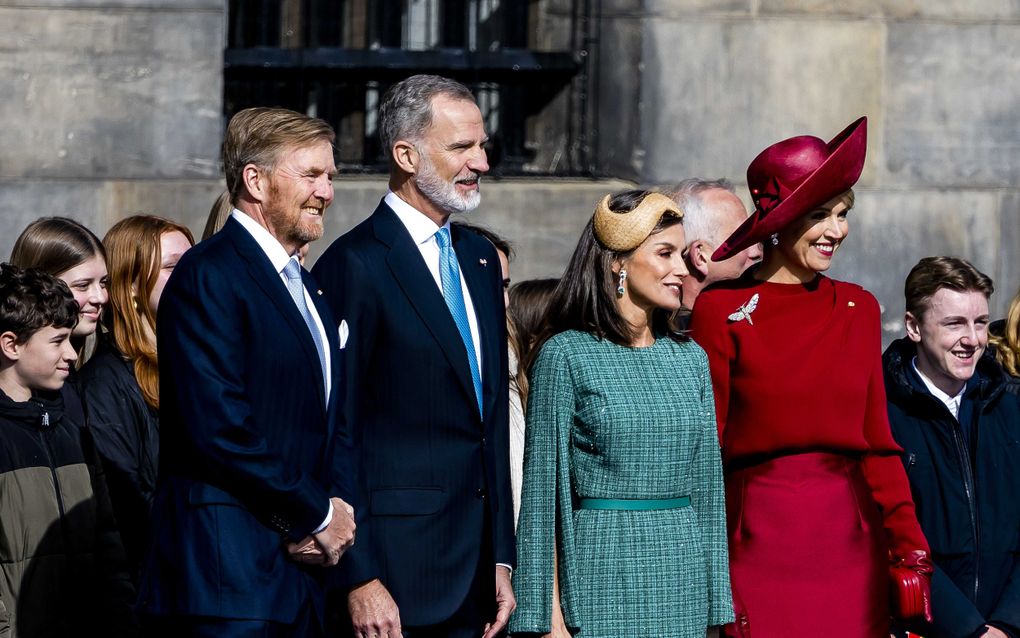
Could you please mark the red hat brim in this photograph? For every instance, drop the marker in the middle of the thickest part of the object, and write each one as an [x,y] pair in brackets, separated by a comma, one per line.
[836,174]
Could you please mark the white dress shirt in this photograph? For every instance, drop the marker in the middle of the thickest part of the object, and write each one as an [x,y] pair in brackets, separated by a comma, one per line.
[423,233]
[278,257]
[953,403]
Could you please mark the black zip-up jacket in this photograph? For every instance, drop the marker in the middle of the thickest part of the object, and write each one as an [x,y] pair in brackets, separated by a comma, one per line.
[126,430]
[967,497]
[61,563]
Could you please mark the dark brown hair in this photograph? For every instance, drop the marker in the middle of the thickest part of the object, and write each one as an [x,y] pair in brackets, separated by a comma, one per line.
[529,305]
[931,274]
[31,300]
[585,297]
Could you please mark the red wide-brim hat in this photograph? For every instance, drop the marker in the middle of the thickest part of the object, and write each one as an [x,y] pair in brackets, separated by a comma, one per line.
[793,177]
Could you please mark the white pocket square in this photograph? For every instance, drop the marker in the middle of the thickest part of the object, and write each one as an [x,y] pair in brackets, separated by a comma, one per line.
[343,333]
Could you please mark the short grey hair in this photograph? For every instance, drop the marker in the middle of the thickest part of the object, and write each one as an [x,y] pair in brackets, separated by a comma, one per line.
[697,223]
[406,109]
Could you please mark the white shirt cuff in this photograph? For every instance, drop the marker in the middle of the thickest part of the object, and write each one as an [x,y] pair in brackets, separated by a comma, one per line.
[508,568]
[325,523]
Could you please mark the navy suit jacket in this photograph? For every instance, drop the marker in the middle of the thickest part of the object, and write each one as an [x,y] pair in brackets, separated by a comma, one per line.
[436,475]
[251,451]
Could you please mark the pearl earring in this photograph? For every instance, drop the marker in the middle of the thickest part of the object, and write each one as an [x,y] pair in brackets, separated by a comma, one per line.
[623,278]
[775,239]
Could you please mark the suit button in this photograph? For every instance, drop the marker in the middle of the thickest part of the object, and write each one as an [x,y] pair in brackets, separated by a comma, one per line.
[483,441]
[481,493]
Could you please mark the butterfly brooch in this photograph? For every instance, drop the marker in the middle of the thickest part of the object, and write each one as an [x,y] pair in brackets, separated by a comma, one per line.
[744,311]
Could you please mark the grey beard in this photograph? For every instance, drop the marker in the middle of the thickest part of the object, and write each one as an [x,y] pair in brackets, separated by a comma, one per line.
[443,193]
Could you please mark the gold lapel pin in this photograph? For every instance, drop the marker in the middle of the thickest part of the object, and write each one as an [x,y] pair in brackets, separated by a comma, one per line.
[484,262]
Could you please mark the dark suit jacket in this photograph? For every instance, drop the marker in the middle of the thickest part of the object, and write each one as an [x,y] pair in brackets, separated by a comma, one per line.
[250,450]
[433,469]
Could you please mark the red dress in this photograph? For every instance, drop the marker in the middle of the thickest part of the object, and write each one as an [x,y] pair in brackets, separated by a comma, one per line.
[813,475]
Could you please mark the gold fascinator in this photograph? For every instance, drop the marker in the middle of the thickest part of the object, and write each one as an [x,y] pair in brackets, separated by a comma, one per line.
[625,231]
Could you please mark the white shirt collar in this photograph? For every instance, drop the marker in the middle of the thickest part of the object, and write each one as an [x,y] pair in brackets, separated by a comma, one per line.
[421,227]
[952,402]
[271,246]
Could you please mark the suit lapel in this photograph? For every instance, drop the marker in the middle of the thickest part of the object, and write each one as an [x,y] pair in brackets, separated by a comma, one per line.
[261,271]
[332,340]
[474,266]
[409,269]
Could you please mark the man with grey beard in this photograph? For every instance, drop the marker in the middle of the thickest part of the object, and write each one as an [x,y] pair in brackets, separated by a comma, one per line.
[421,318]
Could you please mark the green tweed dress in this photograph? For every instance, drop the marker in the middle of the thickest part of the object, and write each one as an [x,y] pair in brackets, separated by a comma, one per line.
[607,421]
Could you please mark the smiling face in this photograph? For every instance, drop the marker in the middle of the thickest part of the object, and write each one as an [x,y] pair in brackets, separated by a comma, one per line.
[300,190]
[452,156]
[87,282]
[655,271]
[172,245]
[42,362]
[806,246]
[951,335]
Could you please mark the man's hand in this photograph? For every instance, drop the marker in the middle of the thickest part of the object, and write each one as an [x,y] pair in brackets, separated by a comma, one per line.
[338,535]
[993,632]
[505,603]
[373,611]
[306,551]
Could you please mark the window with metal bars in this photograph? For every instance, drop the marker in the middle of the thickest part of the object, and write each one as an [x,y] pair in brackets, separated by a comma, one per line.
[526,62]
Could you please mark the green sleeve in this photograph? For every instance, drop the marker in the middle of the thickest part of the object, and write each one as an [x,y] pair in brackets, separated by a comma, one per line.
[546,519]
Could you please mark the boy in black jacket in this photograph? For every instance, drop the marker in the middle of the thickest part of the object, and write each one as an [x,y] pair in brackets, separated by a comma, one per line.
[61,561]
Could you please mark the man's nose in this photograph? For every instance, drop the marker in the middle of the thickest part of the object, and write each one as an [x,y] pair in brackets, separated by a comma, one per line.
[479,162]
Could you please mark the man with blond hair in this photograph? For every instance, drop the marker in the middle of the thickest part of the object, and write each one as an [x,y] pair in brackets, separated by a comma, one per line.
[255,493]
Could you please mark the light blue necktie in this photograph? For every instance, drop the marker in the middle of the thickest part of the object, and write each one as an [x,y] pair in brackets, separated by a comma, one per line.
[449,275]
[296,288]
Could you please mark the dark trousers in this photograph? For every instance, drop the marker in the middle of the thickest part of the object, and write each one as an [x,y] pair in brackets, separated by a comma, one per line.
[478,608]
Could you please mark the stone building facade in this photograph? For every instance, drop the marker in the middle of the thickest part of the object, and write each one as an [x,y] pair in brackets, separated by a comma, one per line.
[111,107]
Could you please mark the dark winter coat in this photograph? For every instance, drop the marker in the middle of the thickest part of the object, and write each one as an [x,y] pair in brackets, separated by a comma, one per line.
[126,430]
[61,562]
[967,496]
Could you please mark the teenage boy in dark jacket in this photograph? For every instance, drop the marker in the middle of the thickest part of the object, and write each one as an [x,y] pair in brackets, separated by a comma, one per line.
[960,432]
[61,562]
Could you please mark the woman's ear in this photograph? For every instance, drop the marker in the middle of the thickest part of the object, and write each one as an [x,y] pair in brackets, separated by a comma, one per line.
[618,264]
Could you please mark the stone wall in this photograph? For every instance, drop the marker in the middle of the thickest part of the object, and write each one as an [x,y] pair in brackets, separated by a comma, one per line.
[716,82]
[107,105]
[112,107]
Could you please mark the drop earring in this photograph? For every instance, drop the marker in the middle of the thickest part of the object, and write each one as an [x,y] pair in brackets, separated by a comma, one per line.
[623,278]
[775,239]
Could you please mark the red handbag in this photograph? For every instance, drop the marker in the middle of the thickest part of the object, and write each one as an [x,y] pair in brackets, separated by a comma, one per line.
[910,586]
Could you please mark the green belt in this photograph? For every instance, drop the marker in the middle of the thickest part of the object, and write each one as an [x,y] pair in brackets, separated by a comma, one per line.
[639,504]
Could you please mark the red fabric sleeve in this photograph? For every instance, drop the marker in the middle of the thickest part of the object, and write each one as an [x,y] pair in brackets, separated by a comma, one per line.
[709,330]
[882,466]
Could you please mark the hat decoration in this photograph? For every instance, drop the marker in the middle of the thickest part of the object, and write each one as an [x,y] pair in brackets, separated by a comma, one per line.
[792,178]
[623,231]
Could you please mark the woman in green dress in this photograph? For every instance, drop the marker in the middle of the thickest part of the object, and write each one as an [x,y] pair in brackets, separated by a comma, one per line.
[623,525]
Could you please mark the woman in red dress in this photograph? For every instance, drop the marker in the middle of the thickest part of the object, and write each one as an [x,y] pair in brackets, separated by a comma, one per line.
[818,505]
